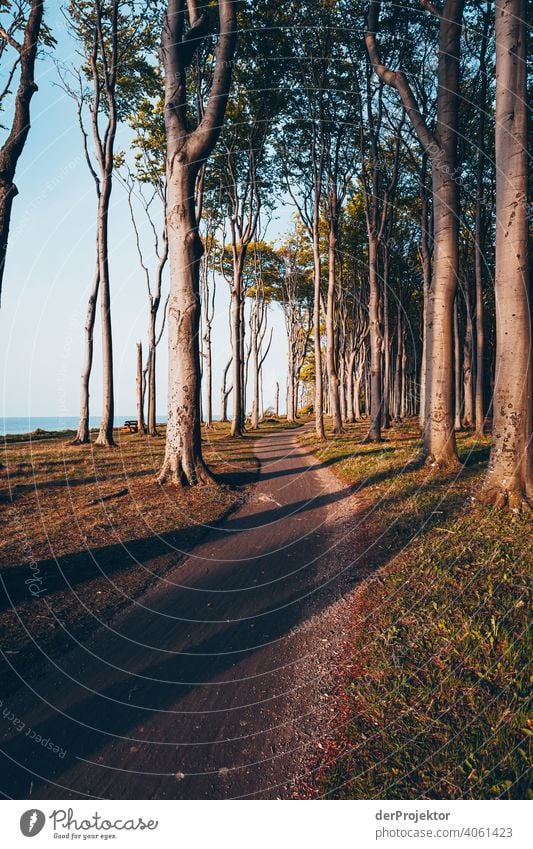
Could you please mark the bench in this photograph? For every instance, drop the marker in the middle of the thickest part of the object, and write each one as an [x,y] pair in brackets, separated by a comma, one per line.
[131,425]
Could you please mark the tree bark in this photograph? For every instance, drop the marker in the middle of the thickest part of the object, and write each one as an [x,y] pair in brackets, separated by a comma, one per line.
[141,427]
[510,478]
[468,377]
[224,394]
[456,368]
[439,435]
[331,360]
[13,146]
[83,434]
[317,336]
[479,236]
[237,353]
[376,389]
[186,152]
[105,435]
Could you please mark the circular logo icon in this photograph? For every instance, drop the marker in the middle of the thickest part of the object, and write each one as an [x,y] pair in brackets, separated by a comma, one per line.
[32,822]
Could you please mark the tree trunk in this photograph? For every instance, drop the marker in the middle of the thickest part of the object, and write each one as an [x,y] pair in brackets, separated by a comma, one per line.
[152,422]
[386,341]
[277,400]
[255,369]
[224,394]
[439,435]
[479,233]
[82,436]
[13,146]
[333,378]
[208,375]
[183,455]
[105,435]
[468,377]
[141,427]
[510,477]
[350,398]
[374,433]
[398,371]
[319,383]
[237,423]
[457,368]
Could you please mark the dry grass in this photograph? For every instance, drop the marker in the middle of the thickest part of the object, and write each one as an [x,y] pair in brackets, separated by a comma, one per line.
[92,556]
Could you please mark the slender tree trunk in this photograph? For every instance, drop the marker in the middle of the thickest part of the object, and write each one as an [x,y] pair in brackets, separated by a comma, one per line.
[319,382]
[480,329]
[398,371]
[457,367]
[255,370]
[208,377]
[105,435]
[386,340]
[374,433]
[224,393]
[479,234]
[468,377]
[277,400]
[152,409]
[403,406]
[350,398]
[237,352]
[141,427]
[510,477]
[333,377]
[83,433]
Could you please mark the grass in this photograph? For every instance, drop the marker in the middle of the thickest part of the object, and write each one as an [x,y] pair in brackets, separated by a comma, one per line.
[96,529]
[433,698]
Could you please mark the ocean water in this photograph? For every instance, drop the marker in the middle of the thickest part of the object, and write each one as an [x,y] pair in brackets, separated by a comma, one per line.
[28,424]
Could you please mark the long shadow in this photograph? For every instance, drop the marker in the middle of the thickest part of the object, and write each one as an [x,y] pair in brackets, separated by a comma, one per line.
[71,570]
[205,657]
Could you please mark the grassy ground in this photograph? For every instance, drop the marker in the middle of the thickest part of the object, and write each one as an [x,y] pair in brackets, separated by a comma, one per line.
[93,530]
[433,697]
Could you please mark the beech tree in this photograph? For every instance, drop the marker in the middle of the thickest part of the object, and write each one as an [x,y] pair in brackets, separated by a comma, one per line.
[440,144]
[21,32]
[510,477]
[114,38]
[187,150]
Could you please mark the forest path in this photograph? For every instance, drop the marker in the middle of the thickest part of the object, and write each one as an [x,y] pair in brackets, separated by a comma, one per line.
[210,685]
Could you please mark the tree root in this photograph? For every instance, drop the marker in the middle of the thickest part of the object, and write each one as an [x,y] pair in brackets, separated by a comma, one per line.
[441,463]
[174,473]
[370,439]
[499,498]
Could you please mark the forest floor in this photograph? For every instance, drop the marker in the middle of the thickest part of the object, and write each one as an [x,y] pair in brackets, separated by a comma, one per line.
[77,522]
[433,686]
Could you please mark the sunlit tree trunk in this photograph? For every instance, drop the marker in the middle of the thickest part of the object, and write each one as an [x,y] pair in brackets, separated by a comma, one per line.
[82,436]
[510,477]
[141,427]
[439,435]
[186,151]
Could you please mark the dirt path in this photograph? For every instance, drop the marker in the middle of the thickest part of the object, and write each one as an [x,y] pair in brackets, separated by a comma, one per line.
[211,685]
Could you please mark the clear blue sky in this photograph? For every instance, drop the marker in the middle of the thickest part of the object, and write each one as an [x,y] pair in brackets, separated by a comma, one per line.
[50,263]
